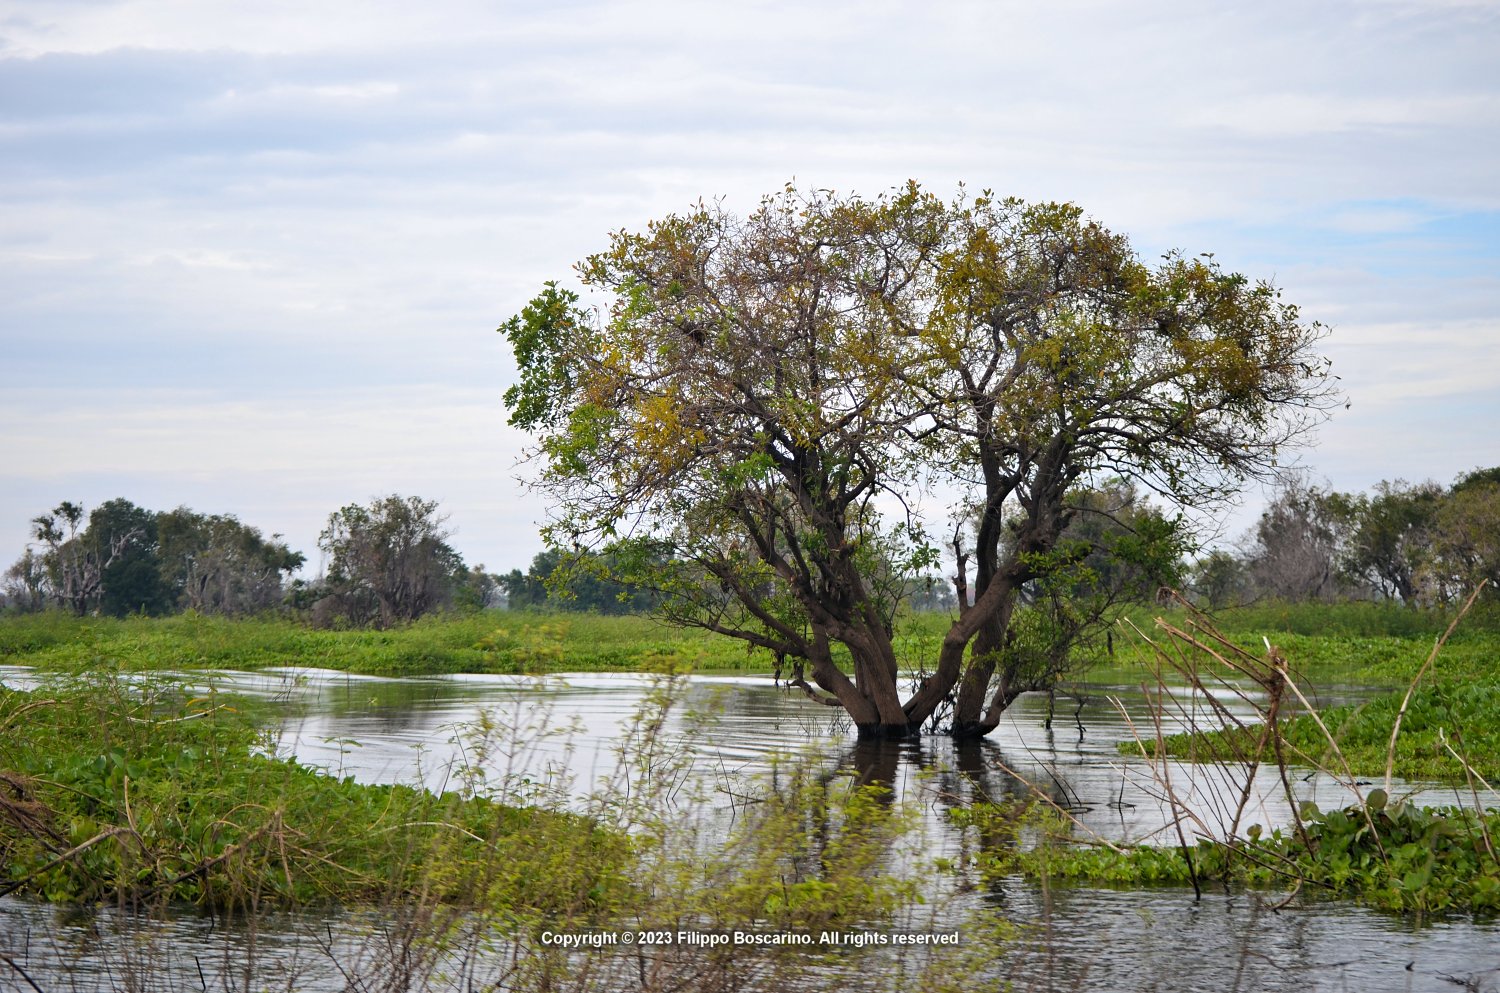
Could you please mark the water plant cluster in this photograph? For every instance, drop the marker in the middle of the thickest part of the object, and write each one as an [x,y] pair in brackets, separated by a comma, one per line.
[1393,855]
[149,794]
[1388,852]
[141,791]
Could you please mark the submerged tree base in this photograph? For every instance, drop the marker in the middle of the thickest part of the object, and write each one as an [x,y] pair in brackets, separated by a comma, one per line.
[887,732]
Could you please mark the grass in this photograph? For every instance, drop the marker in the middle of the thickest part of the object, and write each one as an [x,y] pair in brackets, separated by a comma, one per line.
[130,790]
[1369,644]
[1358,642]
[493,641]
[1391,855]
[123,788]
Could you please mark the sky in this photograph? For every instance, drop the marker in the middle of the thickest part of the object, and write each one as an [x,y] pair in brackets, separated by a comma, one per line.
[253,256]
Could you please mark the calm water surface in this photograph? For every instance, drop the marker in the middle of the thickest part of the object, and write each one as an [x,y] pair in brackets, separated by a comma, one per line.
[559,736]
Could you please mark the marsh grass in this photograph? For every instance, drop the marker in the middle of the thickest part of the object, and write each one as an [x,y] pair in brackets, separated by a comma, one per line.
[138,794]
[1380,849]
[135,791]
[489,641]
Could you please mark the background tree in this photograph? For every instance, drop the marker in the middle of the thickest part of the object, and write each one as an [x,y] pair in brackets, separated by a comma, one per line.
[74,565]
[475,588]
[527,590]
[774,399]
[131,580]
[108,565]
[127,559]
[1117,548]
[583,581]
[1219,580]
[1392,535]
[1299,542]
[1467,537]
[27,586]
[389,562]
[214,564]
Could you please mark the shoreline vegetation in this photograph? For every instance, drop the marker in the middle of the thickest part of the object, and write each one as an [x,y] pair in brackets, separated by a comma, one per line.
[127,790]
[140,792]
[1381,849]
[1370,645]
[118,788]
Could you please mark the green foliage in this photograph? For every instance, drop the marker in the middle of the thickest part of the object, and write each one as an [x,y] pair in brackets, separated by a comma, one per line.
[583,581]
[539,336]
[131,789]
[215,564]
[130,577]
[389,562]
[755,383]
[488,641]
[1392,855]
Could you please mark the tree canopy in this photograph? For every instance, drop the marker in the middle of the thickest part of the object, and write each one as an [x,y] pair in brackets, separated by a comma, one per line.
[792,412]
[129,560]
[1420,543]
[390,562]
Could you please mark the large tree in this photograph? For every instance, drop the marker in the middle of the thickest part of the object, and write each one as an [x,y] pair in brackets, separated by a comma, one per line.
[215,564]
[390,562]
[803,405]
[110,565]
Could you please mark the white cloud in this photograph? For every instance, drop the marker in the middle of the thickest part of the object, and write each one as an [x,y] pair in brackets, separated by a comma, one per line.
[239,244]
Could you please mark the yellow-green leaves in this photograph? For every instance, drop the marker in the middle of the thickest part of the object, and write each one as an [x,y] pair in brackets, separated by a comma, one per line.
[777,398]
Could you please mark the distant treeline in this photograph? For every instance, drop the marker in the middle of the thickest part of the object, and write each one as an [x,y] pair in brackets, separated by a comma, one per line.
[1421,544]
[388,562]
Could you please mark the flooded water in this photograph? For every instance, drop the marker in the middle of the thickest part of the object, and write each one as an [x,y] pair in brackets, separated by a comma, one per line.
[559,738]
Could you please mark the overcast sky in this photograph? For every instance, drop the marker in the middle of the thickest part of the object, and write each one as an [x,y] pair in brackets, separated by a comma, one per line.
[254,255]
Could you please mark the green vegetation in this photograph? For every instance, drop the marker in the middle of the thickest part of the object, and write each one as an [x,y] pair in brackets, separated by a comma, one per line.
[128,789]
[1453,711]
[490,641]
[1391,855]
[1349,619]
[125,789]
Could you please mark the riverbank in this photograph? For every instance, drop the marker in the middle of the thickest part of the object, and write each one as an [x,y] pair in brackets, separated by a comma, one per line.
[1356,642]
[139,792]
[485,642]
